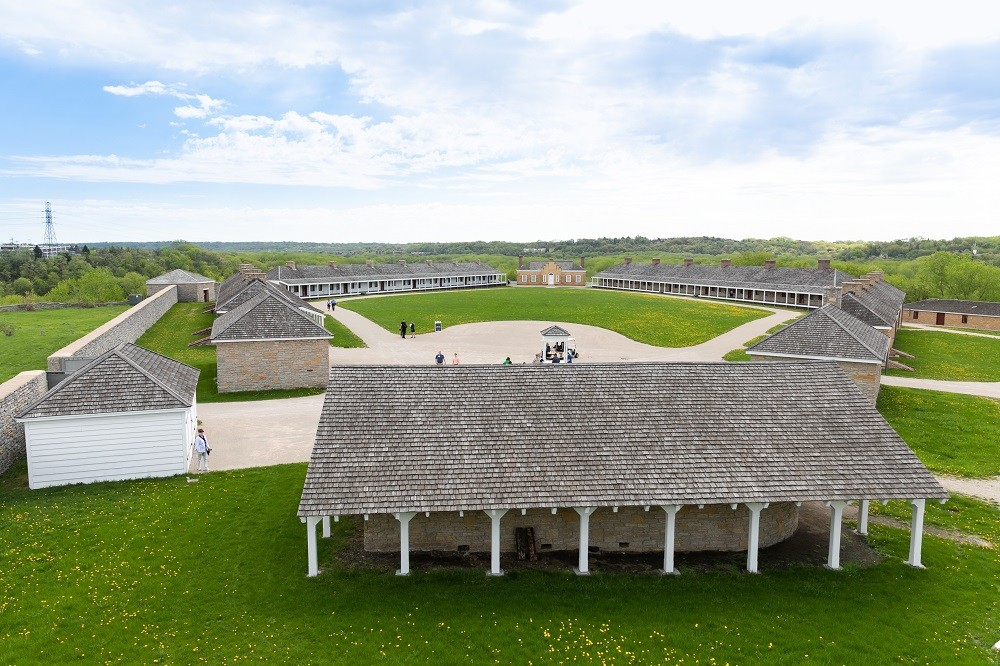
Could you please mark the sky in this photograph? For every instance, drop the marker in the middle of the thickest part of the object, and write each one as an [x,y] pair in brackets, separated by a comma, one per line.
[399,122]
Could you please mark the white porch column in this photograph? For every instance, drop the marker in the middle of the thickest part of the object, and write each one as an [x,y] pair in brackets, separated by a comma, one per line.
[326,527]
[404,541]
[585,513]
[753,540]
[836,517]
[916,532]
[668,537]
[495,516]
[863,517]
[311,544]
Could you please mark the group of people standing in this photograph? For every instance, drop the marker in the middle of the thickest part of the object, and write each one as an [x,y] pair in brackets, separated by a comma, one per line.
[439,358]
[403,328]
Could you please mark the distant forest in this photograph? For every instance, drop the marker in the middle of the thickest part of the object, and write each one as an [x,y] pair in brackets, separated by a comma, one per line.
[964,268]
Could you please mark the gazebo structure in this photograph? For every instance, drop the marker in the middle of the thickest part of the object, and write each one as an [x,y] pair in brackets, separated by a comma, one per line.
[725,453]
[555,342]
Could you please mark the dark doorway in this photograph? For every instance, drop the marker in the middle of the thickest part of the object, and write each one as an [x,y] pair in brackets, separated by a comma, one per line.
[940,319]
[204,295]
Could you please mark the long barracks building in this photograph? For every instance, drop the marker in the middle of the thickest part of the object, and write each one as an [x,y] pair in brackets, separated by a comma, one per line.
[336,279]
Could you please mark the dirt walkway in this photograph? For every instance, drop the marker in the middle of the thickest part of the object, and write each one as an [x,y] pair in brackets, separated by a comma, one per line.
[988,489]
[984,389]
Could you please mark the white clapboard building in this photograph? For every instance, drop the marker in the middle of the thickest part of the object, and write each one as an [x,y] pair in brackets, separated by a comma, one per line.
[129,413]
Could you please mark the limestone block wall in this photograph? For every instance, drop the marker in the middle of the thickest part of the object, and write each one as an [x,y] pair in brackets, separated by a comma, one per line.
[187,293]
[272,364]
[126,327]
[716,527]
[15,395]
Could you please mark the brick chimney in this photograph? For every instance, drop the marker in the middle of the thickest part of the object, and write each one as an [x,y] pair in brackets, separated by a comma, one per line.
[628,260]
[290,264]
[770,263]
[656,261]
[582,263]
[688,262]
[824,264]
[520,261]
[725,263]
[852,287]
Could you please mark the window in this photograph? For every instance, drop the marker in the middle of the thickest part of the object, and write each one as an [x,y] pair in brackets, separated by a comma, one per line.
[533,277]
[557,279]
[965,319]
[578,279]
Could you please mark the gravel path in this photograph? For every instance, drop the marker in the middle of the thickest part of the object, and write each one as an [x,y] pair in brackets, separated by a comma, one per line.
[984,389]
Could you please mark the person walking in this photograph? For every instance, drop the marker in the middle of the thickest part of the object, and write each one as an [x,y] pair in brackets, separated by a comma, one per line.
[203,449]
[402,329]
[454,359]
[506,361]
[333,304]
[413,329]
[439,358]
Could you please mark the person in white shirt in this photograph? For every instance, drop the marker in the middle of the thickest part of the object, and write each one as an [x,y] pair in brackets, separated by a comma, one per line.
[202,449]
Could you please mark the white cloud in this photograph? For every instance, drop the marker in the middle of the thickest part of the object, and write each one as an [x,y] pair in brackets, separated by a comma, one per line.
[206,105]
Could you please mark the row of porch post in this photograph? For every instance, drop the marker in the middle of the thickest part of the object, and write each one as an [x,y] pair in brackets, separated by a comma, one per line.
[670,510]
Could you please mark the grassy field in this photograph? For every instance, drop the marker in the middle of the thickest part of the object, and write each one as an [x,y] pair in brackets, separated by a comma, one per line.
[37,334]
[171,572]
[654,320]
[170,336]
[976,330]
[951,433]
[940,355]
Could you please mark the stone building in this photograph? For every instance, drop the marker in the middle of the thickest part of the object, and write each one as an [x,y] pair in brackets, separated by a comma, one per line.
[983,315]
[270,342]
[551,273]
[830,334]
[191,287]
[338,279]
[623,457]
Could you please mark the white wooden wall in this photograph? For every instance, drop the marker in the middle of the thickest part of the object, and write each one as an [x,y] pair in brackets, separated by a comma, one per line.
[107,447]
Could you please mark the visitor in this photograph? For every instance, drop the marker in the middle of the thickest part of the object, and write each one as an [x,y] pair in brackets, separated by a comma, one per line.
[506,361]
[454,359]
[402,329]
[333,304]
[413,329]
[203,449]
[439,358]
[569,357]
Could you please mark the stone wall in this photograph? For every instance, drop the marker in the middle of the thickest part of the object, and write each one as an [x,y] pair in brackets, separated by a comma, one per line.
[126,327]
[953,320]
[15,395]
[272,364]
[26,307]
[186,293]
[631,529]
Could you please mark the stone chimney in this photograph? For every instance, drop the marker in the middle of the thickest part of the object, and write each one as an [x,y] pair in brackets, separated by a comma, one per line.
[628,260]
[726,263]
[402,262]
[824,265]
[688,262]
[852,287]
[871,278]
[369,263]
[656,261]
[332,264]
[770,263]
[878,275]
[831,295]
[428,262]
[290,264]
[520,261]
[583,264]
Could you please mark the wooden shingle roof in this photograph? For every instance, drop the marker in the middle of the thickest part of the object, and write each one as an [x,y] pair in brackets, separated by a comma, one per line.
[266,316]
[736,277]
[178,276]
[633,434]
[128,378]
[984,308]
[388,271]
[828,332]
[563,265]
[556,331]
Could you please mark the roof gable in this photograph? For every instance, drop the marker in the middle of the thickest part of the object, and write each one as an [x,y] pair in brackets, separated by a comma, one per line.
[178,276]
[827,332]
[556,331]
[125,379]
[266,316]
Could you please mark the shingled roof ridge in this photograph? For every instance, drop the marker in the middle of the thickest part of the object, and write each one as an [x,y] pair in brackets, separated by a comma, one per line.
[120,352]
[844,326]
[246,308]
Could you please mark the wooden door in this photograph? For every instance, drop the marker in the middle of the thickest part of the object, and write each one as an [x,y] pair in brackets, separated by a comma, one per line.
[940,319]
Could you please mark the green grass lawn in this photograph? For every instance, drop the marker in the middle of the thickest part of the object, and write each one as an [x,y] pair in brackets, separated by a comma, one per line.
[170,336]
[975,330]
[171,572]
[951,433]
[939,355]
[654,320]
[37,334]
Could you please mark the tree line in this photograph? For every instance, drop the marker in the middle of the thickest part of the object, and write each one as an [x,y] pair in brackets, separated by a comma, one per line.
[101,273]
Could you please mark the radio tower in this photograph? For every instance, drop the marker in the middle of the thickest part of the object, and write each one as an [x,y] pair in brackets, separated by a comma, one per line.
[50,229]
